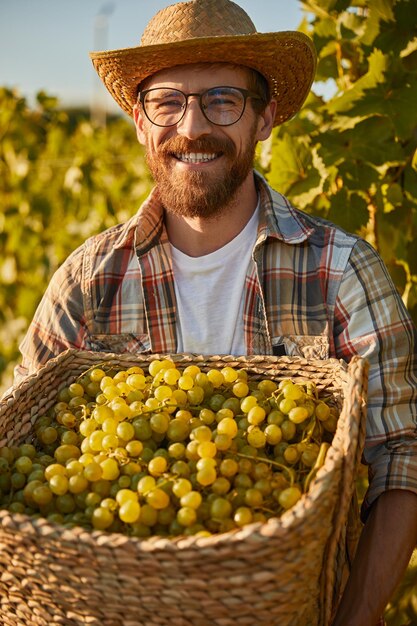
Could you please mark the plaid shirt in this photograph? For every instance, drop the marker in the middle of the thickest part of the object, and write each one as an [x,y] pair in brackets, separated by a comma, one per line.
[311,290]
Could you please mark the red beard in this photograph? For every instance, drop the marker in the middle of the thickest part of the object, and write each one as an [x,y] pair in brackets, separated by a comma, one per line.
[200,193]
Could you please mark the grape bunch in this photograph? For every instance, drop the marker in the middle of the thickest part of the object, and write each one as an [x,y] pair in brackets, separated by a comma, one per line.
[169,451]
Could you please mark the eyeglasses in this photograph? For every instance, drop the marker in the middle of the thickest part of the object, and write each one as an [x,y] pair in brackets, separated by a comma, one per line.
[222,106]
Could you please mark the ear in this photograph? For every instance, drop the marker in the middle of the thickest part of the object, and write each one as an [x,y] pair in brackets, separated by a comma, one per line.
[266,121]
[139,120]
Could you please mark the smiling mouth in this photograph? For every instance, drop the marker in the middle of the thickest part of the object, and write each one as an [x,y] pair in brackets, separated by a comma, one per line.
[195,157]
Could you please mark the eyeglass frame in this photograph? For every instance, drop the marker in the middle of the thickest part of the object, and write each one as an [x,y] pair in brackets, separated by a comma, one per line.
[246,93]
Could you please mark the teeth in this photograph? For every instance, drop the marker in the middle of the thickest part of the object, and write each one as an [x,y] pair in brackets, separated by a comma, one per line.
[195,157]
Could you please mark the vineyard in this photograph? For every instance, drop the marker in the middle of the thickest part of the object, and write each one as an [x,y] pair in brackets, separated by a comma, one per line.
[350,157]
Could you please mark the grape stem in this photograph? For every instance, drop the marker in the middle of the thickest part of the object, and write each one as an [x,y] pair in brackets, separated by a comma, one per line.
[274,463]
[319,462]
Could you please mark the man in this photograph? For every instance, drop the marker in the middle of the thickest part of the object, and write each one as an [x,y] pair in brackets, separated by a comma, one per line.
[217,262]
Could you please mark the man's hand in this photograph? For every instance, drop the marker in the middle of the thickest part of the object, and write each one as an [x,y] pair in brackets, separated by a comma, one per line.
[385,547]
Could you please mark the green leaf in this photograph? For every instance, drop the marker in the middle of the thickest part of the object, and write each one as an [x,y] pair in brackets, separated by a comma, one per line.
[290,160]
[370,141]
[414,161]
[375,75]
[379,10]
[348,210]
[395,100]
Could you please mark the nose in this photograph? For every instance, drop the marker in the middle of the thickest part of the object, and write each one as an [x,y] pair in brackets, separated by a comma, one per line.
[193,125]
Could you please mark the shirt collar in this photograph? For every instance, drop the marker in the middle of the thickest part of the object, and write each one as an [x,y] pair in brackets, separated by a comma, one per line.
[278,218]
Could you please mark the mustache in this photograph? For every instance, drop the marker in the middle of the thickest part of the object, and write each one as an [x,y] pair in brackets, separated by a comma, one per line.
[207,144]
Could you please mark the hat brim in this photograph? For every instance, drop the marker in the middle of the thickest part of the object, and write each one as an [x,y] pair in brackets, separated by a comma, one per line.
[287,60]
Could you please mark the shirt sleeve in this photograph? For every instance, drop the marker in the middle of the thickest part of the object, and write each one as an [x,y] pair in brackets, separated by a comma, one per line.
[59,322]
[372,321]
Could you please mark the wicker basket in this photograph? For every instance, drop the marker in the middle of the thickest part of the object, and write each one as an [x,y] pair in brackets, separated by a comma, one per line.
[285,572]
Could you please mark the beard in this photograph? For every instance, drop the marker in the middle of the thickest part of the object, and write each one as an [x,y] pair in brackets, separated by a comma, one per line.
[202,194]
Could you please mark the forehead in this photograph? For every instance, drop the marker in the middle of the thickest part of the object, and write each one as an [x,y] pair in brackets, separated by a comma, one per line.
[199,76]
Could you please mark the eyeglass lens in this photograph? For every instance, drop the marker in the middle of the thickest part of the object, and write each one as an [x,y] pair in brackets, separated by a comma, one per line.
[220,105]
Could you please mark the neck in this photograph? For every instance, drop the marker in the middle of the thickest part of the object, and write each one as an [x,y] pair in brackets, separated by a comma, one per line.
[199,236]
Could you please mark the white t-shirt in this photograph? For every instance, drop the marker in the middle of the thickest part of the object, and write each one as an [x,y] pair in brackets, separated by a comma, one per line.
[210,295]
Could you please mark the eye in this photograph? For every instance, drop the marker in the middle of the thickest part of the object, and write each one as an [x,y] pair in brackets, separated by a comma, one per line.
[164,100]
[222,98]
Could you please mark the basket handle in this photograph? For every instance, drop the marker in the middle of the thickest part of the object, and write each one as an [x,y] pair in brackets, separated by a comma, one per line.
[352,441]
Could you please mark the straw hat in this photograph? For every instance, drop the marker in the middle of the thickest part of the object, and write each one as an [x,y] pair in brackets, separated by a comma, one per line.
[211,31]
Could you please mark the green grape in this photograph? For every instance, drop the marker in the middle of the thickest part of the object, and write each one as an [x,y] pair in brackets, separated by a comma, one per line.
[77,483]
[298,414]
[70,438]
[102,518]
[75,389]
[275,417]
[221,486]
[66,452]
[142,427]
[129,511]
[178,430]
[240,389]
[256,415]
[125,431]
[23,464]
[243,516]
[248,403]
[17,480]
[157,466]
[42,495]
[58,484]
[254,497]
[227,426]
[292,454]
[181,486]
[157,498]
[256,437]
[176,450]
[267,387]
[223,442]
[264,486]
[228,467]
[201,434]
[215,377]
[65,503]
[206,463]
[195,395]
[180,468]
[293,391]
[93,471]
[48,435]
[134,448]
[289,497]
[207,416]
[206,476]
[242,481]
[146,484]
[97,374]
[273,434]
[322,411]
[159,422]
[148,515]
[216,401]
[186,516]
[288,430]
[207,449]
[220,508]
